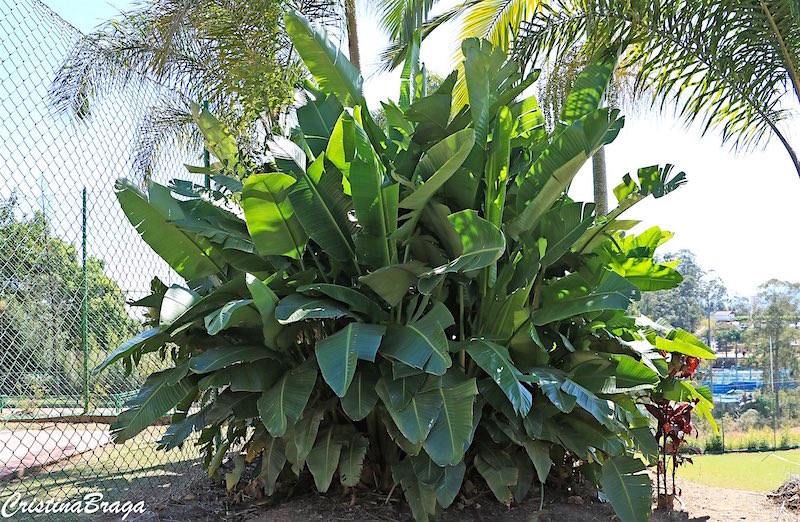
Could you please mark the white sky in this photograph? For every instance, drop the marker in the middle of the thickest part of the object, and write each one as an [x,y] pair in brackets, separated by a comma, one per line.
[738,213]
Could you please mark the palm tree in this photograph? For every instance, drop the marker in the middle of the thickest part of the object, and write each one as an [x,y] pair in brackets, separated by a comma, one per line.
[234,55]
[731,65]
[500,23]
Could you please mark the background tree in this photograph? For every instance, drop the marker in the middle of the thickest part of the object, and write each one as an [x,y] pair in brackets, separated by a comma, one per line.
[776,313]
[731,65]
[40,310]
[692,301]
[233,54]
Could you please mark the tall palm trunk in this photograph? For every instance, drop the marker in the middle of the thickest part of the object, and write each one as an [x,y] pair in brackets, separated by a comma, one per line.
[600,182]
[352,33]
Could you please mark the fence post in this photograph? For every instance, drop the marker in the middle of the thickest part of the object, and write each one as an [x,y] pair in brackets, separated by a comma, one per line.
[206,157]
[85,309]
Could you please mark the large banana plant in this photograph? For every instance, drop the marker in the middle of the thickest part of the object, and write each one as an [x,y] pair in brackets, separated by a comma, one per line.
[422,301]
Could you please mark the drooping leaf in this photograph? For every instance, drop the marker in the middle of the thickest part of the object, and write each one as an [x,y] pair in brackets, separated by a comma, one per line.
[284,402]
[572,295]
[192,257]
[160,393]
[496,362]
[451,435]
[393,282]
[272,463]
[270,217]
[628,488]
[352,459]
[298,307]
[361,396]
[422,344]
[265,302]
[357,301]
[331,69]
[323,459]
[221,356]
[482,244]
[338,354]
[234,313]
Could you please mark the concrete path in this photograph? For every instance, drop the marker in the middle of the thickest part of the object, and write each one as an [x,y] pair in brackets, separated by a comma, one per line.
[20,449]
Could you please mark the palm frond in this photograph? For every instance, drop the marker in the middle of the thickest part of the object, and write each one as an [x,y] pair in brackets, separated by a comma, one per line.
[724,64]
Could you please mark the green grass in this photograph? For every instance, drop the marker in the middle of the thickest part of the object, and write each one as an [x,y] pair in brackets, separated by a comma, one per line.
[744,471]
[131,471]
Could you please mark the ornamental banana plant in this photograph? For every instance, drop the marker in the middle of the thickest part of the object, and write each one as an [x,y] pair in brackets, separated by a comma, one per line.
[412,304]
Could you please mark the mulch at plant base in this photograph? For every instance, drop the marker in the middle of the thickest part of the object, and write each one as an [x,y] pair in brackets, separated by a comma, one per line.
[207,501]
[788,494]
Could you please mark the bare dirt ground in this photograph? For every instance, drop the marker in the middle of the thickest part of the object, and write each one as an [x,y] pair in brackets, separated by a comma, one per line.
[208,502]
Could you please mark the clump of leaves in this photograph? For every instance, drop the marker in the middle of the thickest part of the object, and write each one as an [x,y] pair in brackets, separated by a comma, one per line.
[410,306]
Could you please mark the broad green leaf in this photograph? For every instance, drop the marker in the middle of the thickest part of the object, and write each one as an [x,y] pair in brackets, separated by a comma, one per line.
[588,90]
[421,498]
[338,354]
[361,397]
[321,206]
[284,402]
[438,165]
[561,227]
[218,140]
[352,458]
[497,166]
[646,274]
[482,244]
[254,376]
[270,217]
[571,295]
[330,68]
[323,459]
[601,409]
[147,341]
[317,119]
[539,453]
[631,373]
[272,463]
[234,313]
[422,344]
[401,390]
[233,476]
[241,405]
[628,488]
[683,347]
[192,257]
[450,484]
[451,435]
[554,169]
[221,356]
[357,301]
[499,476]
[394,281]
[496,362]
[298,307]
[416,419]
[177,301]
[265,302]
[160,392]
[304,435]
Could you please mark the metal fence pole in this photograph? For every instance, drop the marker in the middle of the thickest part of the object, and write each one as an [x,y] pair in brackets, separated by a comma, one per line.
[206,156]
[85,308]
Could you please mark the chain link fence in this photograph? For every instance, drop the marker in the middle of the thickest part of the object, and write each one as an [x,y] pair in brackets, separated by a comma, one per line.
[69,263]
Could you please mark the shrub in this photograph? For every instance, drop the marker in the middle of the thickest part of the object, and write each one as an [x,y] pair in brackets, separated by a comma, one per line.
[401,307]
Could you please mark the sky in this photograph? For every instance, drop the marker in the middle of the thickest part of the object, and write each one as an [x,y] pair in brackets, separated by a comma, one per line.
[738,213]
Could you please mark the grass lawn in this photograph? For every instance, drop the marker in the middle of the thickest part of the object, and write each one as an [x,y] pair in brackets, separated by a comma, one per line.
[744,471]
[131,471]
